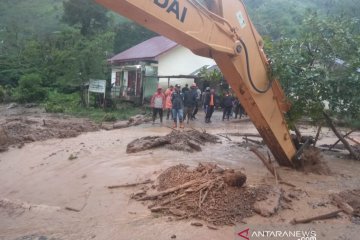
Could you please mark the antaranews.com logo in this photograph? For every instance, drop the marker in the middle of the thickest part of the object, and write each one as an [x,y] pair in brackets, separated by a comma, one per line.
[248,234]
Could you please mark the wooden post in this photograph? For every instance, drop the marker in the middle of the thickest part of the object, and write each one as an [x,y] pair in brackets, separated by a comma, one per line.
[317,135]
[347,134]
[346,144]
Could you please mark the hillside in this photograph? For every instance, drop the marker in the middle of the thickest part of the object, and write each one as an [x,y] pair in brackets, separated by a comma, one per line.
[31,17]
[37,17]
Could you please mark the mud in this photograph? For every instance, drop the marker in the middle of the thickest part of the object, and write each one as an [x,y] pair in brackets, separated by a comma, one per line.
[41,174]
[313,162]
[187,141]
[17,131]
[352,197]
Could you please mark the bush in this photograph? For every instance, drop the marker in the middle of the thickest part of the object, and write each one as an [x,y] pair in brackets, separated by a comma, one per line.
[109,117]
[30,89]
[54,108]
[2,94]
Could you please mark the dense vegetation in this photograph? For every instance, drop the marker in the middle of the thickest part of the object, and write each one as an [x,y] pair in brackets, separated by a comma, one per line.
[50,48]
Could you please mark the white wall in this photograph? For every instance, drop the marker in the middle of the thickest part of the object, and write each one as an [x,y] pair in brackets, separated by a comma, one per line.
[180,61]
[113,73]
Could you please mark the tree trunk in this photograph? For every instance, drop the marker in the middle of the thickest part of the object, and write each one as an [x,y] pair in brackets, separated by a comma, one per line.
[298,134]
[317,135]
[346,144]
[347,134]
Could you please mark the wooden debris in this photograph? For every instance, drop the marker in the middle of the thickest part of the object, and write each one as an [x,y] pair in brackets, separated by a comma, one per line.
[173,199]
[347,134]
[225,136]
[245,135]
[130,184]
[265,162]
[319,217]
[196,224]
[270,167]
[177,212]
[72,209]
[253,141]
[342,204]
[346,144]
[357,142]
[212,227]
[317,135]
[288,184]
[158,209]
[171,190]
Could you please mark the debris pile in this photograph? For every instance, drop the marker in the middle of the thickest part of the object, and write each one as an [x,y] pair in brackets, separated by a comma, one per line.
[208,192]
[187,141]
[19,130]
[133,121]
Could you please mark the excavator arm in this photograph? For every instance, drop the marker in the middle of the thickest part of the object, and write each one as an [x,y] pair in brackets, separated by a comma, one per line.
[222,30]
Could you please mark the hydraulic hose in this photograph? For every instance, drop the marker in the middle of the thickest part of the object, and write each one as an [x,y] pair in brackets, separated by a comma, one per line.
[249,72]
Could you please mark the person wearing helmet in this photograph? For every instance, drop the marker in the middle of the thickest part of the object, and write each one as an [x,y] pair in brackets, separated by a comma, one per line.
[158,104]
[177,100]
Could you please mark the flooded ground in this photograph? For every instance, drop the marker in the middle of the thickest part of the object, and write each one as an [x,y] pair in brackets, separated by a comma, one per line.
[57,188]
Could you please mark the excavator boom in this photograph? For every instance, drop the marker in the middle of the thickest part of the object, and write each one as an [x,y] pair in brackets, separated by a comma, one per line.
[222,30]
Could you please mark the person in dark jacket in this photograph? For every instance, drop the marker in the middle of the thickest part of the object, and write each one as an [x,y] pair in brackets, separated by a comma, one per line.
[238,108]
[227,104]
[189,102]
[198,101]
[209,105]
[177,100]
[186,88]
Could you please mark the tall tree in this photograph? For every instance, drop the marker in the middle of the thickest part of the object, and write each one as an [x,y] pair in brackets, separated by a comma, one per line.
[86,14]
[129,34]
[320,69]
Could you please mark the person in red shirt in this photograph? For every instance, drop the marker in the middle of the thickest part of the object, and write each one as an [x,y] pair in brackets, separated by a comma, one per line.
[158,104]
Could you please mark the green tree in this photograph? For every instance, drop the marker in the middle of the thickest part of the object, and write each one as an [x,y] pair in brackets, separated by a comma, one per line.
[88,15]
[320,68]
[30,89]
[129,34]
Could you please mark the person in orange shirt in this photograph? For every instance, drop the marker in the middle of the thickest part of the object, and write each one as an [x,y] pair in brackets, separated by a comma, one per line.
[168,103]
[209,105]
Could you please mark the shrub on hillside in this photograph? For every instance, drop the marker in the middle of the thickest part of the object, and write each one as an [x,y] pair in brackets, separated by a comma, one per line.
[30,89]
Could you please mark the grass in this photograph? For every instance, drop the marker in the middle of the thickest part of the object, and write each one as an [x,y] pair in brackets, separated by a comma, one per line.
[69,104]
[101,115]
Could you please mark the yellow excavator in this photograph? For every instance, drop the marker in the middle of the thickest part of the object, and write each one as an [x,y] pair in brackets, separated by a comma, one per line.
[222,30]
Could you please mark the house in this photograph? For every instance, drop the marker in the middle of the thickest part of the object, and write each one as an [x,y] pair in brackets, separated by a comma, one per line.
[138,71]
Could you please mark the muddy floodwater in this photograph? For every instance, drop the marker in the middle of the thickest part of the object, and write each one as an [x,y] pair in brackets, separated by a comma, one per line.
[57,188]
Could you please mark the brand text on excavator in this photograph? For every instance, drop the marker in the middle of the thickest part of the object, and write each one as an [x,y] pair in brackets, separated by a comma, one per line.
[172,7]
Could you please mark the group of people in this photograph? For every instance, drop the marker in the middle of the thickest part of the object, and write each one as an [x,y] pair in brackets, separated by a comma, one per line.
[183,104]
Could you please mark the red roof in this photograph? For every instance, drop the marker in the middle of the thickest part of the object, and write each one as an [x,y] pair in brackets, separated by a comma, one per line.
[147,50]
